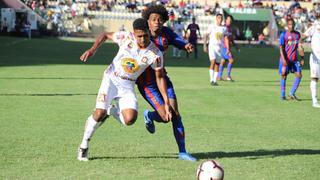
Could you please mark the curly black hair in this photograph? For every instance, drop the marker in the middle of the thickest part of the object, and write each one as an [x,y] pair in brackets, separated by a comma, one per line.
[156,9]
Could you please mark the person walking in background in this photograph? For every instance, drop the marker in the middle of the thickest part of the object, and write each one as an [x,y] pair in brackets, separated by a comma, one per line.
[193,36]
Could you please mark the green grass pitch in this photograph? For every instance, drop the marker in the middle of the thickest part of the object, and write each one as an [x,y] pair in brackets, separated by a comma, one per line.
[46,94]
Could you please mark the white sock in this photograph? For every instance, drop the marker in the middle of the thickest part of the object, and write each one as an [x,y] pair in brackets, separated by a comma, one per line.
[211,72]
[313,88]
[91,126]
[215,75]
[115,112]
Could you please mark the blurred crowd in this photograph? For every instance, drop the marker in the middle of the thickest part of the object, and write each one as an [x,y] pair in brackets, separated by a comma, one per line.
[183,9]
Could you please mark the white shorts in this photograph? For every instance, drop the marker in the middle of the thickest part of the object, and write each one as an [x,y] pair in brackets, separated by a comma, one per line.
[109,91]
[215,54]
[314,66]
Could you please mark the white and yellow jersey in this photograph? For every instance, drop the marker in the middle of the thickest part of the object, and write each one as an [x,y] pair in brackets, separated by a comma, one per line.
[216,35]
[314,33]
[131,61]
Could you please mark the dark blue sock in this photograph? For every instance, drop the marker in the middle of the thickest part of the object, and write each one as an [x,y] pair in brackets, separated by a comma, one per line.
[153,115]
[295,85]
[283,87]
[178,131]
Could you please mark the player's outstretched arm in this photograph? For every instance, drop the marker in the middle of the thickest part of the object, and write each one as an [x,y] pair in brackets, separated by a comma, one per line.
[162,85]
[90,52]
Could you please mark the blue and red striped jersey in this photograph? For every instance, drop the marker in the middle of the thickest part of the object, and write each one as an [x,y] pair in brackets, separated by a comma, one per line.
[166,37]
[290,42]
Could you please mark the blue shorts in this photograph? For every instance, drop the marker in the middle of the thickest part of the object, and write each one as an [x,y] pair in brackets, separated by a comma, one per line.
[224,54]
[151,93]
[292,67]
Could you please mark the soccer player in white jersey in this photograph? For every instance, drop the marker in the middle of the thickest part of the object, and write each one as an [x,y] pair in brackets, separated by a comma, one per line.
[136,53]
[314,33]
[217,37]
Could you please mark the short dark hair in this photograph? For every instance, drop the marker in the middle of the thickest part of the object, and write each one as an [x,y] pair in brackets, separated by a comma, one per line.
[231,17]
[290,19]
[219,14]
[140,24]
[156,9]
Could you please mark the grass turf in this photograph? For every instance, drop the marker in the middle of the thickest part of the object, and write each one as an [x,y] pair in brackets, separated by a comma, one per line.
[46,94]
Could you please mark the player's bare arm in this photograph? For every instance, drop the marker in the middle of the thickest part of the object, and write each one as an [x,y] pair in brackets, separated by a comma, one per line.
[162,85]
[227,43]
[283,58]
[301,52]
[205,43]
[90,52]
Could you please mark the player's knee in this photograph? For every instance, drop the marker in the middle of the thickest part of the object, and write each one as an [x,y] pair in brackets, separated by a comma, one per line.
[100,114]
[130,118]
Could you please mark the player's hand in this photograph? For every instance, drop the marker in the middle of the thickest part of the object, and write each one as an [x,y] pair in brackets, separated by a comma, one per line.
[205,48]
[189,47]
[302,62]
[89,53]
[284,63]
[168,112]
[228,53]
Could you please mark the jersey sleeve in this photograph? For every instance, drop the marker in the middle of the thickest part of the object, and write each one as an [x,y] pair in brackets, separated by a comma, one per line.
[175,39]
[309,32]
[281,39]
[121,37]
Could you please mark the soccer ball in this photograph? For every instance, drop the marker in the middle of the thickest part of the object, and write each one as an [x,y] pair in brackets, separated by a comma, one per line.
[210,170]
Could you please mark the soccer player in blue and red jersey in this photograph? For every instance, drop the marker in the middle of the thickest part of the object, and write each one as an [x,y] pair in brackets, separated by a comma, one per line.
[289,47]
[225,56]
[163,37]
[193,37]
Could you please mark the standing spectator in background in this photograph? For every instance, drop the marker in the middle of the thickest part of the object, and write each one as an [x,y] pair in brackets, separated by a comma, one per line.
[74,9]
[261,39]
[27,28]
[4,26]
[193,37]
[248,35]
[179,29]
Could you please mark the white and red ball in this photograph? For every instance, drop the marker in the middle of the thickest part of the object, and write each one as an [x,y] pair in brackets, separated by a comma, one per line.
[210,170]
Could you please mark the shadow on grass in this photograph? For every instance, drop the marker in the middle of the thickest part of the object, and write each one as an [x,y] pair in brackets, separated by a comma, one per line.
[256,154]
[135,157]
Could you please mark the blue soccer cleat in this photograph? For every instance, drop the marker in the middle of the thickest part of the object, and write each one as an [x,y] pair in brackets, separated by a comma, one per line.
[148,122]
[187,157]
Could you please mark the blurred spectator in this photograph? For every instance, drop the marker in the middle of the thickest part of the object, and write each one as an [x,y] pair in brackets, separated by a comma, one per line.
[193,36]
[261,39]
[4,26]
[27,29]
[132,6]
[248,35]
[74,9]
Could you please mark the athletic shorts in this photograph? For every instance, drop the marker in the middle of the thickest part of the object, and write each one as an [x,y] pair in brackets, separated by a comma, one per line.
[314,66]
[109,91]
[215,53]
[151,93]
[292,67]
[225,56]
